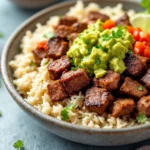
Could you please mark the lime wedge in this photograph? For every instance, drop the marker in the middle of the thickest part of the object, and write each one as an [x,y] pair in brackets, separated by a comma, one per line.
[142,21]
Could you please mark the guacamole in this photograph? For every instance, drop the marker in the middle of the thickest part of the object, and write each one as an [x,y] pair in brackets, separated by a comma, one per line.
[96,49]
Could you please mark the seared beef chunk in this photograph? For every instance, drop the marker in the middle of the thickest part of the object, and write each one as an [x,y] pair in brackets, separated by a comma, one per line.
[110,81]
[72,37]
[122,106]
[134,65]
[146,78]
[39,54]
[94,15]
[74,81]
[67,20]
[56,91]
[144,60]
[133,88]
[57,67]
[143,105]
[64,31]
[79,27]
[98,99]
[123,20]
[56,47]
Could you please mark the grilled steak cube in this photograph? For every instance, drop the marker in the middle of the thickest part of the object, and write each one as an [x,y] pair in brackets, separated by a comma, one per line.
[98,99]
[94,15]
[72,37]
[110,81]
[134,65]
[144,60]
[57,67]
[123,20]
[146,78]
[74,81]
[64,31]
[143,105]
[67,20]
[39,54]
[133,88]
[79,27]
[56,47]
[56,91]
[122,106]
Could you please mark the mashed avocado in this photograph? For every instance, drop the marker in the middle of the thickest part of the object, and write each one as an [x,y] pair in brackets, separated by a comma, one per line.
[96,49]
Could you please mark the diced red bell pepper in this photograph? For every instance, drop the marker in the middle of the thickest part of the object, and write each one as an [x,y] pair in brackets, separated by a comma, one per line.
[109,24]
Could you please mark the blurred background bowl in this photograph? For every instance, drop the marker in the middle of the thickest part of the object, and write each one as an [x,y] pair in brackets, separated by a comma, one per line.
[34,4]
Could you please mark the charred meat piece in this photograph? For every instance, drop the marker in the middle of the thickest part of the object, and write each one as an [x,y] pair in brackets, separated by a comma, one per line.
[74,81]
[110,81]
[56,91]
[72,37]
[134,65]
[123,20]
[133,88]
[57,67]
[64,31]
[143,105]
[98,99]
[144,60]
[122,106]
[68,20]
[39,54]
[79,27]
[94,15]
[146,78]
[56,47]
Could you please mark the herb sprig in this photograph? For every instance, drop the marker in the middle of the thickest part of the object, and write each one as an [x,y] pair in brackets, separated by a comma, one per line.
[141,118]
[146,5]
[19,145]
[49,35]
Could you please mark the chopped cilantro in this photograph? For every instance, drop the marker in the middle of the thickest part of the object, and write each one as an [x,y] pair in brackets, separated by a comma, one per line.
[71,61]
[106,37]
[46,63]
[146,5]
[103,48]
[18,145]
[97,61]
[140,88]
[130,52]
[32,63]
[69,38]
[141,118]
[49,35]
[65,111]
[1,35]
[0,113]
[73,68]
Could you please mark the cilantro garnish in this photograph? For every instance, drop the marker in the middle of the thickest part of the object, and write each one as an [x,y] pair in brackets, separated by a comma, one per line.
[141,118]
[140,88]
[49,35]
[130,52]
[69,38]
[1,35]
[146,5]
[46,63]
[65,111]
[18,145]
[103,48]
[73,68]
[71,61]
[32,63]
[97,61]
[106,37]
[0,113]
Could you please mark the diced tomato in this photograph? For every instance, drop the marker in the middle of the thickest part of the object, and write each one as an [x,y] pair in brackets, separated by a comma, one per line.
[130,29]
[42,45]
[139,48]
[143,37]
[136,34]
[109,24]
[148,37]
[147,52]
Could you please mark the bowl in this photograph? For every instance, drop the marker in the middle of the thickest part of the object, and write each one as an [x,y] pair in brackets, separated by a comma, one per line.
[76,133]
[34,4]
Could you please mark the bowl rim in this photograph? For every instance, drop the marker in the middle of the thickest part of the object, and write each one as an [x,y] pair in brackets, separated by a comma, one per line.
[37,114]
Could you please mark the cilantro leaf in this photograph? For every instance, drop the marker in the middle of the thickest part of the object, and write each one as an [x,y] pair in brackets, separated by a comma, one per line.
[97,61]
[69,38]
[73,68]
[106,37]
[141,118]
[130,52]
[140,88]
[65,111]
[18,145]
[46,63]
[103,48]
[1,35]
[49,35]
[146,5]
[32,63]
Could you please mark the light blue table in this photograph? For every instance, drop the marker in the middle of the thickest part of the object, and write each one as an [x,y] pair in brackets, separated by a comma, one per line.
[15,124]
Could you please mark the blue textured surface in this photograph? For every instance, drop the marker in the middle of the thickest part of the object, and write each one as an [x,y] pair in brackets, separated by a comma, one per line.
[15,124]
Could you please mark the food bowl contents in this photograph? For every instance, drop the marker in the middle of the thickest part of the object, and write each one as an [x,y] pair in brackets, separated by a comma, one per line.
[90,67]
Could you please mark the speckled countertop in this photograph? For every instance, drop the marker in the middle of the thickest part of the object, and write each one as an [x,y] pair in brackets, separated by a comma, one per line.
[14,123]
